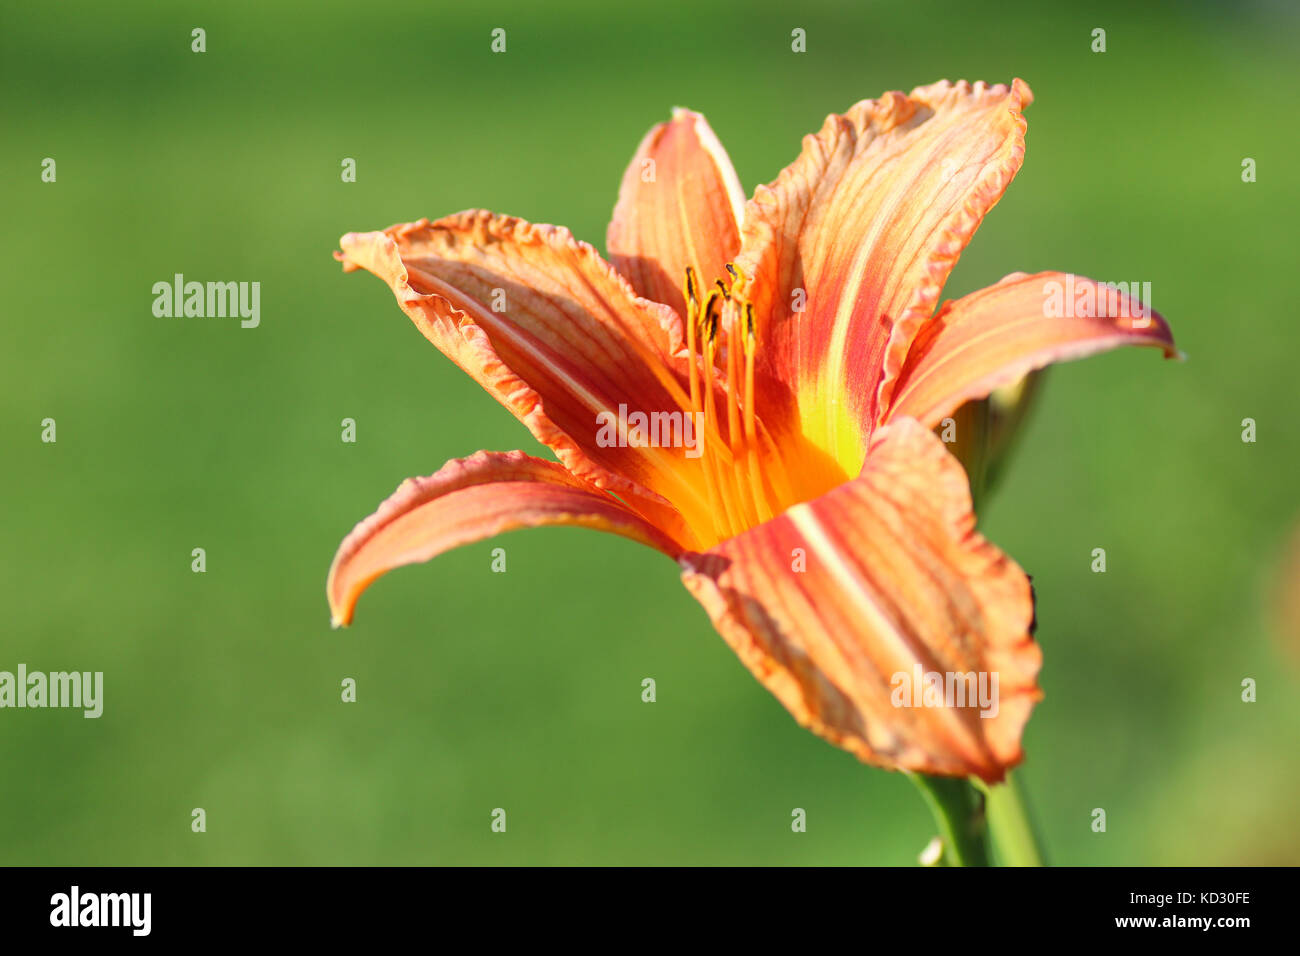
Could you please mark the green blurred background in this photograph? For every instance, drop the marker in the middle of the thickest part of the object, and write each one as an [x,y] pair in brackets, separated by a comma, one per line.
[522,691]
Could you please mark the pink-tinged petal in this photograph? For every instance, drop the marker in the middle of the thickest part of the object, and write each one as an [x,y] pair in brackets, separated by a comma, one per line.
[861,231]
[679,205]
[993,337]
[894,578]
[548,327]
[467,500]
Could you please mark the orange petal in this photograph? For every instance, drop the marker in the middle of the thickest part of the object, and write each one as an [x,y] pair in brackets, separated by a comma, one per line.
[895,579]
[466,500]
[862,231]
[993,337]
[679,205]
[553,333]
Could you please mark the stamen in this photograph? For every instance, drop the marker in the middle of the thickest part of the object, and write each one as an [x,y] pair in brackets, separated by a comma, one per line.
[692,289]
[692,319]
[744,474]
[709,328]
[710,315]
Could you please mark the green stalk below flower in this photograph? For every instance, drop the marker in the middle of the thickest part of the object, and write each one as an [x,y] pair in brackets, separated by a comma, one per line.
[958,809]
[978,823]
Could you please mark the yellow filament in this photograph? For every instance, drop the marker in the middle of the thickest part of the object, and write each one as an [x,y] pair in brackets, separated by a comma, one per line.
[750,345]
[756,490]
[743,488]
[733,405]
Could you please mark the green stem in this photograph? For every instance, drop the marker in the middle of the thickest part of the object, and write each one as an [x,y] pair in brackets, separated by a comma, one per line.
[958,808]
[969,813]
[1014,836]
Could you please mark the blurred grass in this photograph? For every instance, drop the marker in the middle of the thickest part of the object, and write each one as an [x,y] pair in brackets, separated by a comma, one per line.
[522,690]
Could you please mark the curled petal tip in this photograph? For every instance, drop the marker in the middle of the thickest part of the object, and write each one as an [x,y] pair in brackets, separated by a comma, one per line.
[991,338]
[1022,90]
[467,500]
[340,610]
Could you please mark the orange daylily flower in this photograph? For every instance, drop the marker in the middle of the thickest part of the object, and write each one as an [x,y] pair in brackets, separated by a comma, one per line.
[824,527]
